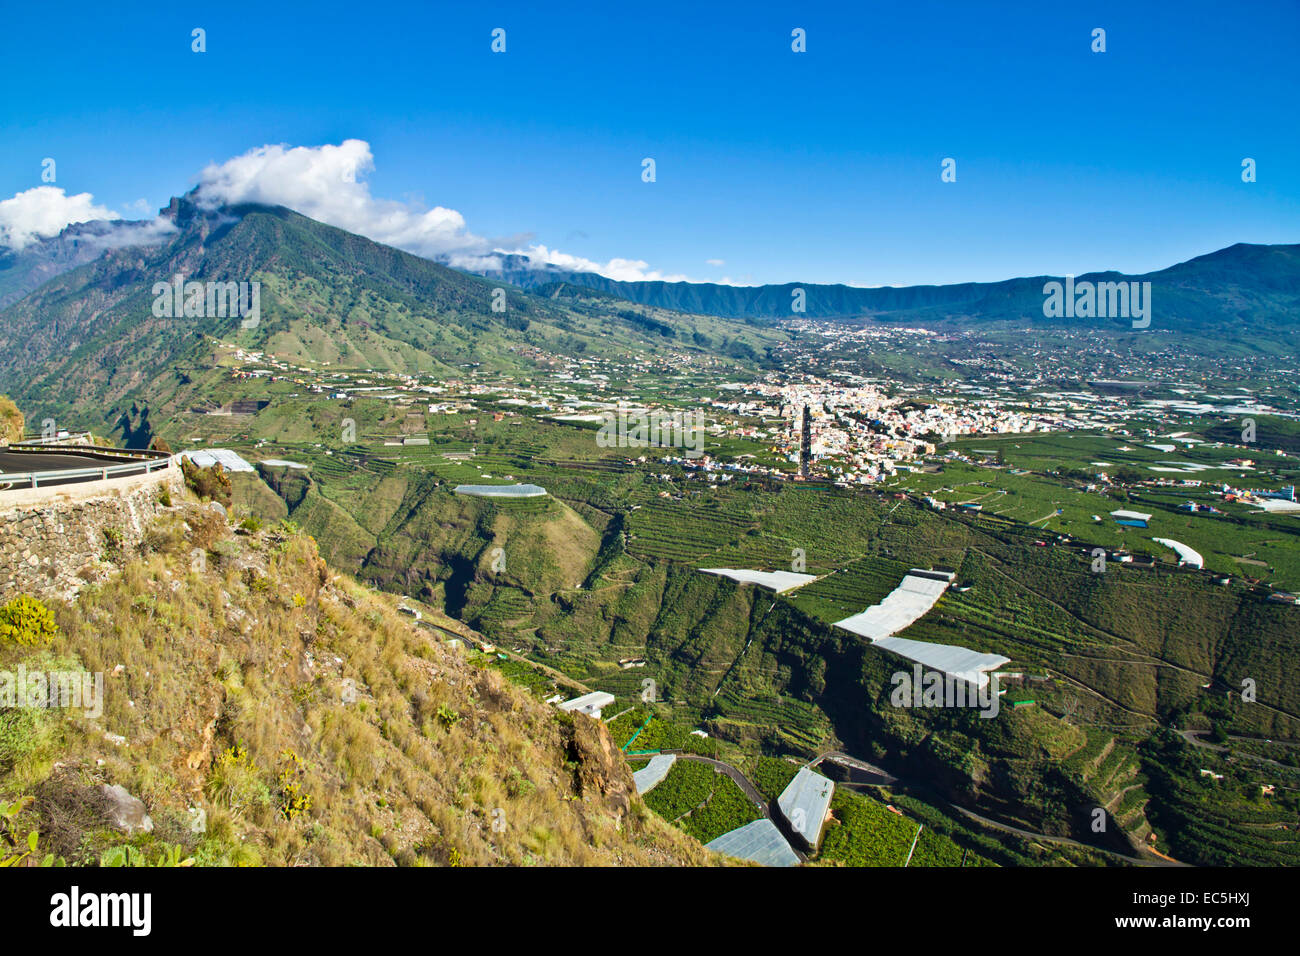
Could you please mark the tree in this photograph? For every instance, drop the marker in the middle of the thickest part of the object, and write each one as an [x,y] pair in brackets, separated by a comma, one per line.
[211,483]
[11,421]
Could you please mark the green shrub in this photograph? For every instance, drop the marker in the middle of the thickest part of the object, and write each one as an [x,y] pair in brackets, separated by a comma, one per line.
[292,799]
[211,483]
[235,782]
[125,854]
[14,847]
[114,544]
[11,421]
[23,731]
[447,717]
[26,622]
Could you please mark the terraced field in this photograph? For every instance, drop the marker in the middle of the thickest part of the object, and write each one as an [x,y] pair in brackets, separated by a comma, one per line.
[605,569]
[1236,820]
[704,802]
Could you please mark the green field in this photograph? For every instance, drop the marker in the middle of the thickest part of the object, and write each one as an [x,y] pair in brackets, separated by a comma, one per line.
[702,801]
[604,570]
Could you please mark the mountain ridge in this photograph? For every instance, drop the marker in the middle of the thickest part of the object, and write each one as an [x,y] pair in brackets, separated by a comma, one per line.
[1244,267]
[90,337]
[1269,269]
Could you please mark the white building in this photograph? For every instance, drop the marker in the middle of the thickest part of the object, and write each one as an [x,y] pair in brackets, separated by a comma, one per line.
[589,704]
[806,803]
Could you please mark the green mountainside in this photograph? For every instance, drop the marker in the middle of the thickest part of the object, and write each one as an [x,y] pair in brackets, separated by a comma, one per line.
[269,711]
[1128,683]
[1129,675]
[88,338]
[1245,291]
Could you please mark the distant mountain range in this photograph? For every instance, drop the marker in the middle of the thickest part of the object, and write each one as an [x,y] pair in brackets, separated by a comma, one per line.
[1244,290]
[26,269]
[90,336]
[80,328]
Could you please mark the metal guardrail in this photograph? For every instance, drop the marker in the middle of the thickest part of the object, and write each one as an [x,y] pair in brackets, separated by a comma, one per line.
[91,451]
[137,461]
[54,439]
[32,479]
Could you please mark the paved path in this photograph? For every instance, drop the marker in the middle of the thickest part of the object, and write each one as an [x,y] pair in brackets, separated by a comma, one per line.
[853,763]
[34,461]
[1193,737]
[11,461]
[1047,838]
[846,760]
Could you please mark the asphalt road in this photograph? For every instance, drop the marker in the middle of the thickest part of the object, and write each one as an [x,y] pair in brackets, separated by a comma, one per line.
[1047,838]
[872,775]
[876,774]
[26,461]
[11,461]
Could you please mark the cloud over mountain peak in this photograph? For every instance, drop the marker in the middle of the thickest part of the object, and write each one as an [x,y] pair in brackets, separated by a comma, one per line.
[328,184]
[45,211]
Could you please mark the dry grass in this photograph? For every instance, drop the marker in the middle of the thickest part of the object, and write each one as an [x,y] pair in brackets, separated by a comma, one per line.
[223,654]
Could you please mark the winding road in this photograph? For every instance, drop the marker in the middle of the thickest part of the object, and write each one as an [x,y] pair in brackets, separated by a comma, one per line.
[24,462]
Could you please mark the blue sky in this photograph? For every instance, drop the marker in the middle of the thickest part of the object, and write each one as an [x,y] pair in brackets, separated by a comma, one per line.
[819,167]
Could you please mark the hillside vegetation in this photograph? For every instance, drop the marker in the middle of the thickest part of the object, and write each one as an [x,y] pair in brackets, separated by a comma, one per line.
[308,720]
[606,571]
[88,338]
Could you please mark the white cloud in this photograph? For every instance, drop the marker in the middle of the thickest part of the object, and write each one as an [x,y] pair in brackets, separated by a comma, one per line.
[327,184]
[716,263]
[44,211]
[624,270]
[141,232]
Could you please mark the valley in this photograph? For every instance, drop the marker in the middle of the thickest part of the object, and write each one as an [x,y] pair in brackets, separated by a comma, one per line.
[1150,687]
[604,569]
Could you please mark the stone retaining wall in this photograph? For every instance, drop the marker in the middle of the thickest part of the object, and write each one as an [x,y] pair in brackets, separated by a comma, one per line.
[52,539]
